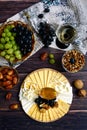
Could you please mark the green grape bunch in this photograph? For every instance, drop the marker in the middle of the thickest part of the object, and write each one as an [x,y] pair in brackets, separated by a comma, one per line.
[8,45]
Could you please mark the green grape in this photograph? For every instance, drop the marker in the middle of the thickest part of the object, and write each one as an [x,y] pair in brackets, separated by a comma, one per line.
[2,40]
[12,26]
[1,46]
[3,34]
[52,61]
[18,48]
[14,34]
[10,51]
[12,38]
[8,45]
[9,34]
[12,58]
[51,55]
[7,56]
[15,47]
[6,30]
[17,52]
[19,56]
[6,39]
[13,43]
[3,53]
[8,27]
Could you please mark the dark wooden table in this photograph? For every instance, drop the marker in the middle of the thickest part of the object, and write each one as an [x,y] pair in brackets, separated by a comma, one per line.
[76,118]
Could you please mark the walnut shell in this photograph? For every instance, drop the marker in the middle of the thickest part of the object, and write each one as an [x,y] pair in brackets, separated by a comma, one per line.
[78,84]
[82,93]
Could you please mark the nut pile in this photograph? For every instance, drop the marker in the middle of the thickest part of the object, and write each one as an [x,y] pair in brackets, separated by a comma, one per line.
[8,77]
[73,61]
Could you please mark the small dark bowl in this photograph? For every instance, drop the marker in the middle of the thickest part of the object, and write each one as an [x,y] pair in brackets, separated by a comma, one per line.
[8,77]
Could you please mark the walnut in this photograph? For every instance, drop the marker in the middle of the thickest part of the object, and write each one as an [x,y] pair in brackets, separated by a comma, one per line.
[82,93]
[42,110]
[56,104]
[45,106]
[78,84]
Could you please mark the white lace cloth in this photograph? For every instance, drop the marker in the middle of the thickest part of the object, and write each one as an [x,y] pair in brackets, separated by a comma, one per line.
[74,12]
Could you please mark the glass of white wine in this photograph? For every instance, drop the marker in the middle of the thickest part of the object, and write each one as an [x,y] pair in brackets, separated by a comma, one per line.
[66,34]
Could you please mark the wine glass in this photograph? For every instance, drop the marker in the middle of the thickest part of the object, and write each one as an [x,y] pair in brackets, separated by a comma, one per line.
[66,34]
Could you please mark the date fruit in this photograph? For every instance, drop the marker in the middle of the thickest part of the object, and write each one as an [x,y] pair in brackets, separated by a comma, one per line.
[14,106]
[44,56]
[8,96]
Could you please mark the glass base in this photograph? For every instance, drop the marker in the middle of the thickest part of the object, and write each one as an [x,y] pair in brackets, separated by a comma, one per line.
[61,45]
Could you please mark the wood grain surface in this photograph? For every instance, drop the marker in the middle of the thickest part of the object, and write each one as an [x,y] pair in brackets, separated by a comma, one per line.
[75,119]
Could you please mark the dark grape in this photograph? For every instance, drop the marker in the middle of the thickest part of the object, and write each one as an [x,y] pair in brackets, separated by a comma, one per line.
[19,26]
[23,38]
[40,16]
[46,10]
[46,33]
[20,33]
[14,30]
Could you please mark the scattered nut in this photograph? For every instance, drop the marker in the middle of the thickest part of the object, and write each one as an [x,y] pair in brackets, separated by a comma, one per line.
[56,104]
[14,106]
[78,84]
[42,110]
[8,96]
[82,93]
[45,106]
[44,56]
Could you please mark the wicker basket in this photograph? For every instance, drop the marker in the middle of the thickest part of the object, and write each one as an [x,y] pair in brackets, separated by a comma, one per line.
[3,26]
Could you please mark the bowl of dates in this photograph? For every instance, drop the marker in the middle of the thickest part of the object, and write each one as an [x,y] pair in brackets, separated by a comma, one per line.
[8,77]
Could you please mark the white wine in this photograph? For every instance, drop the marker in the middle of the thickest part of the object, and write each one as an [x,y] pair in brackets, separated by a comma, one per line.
[66,34]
